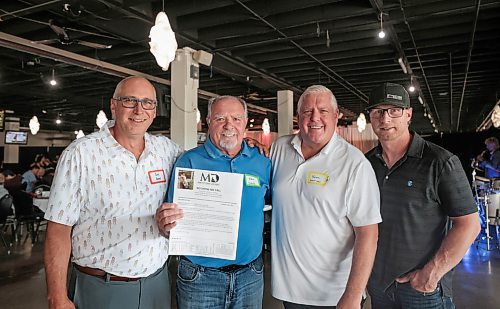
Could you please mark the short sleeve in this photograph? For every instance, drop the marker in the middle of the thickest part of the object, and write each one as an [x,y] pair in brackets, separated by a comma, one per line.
[363,199]
[454,191]
[65,194]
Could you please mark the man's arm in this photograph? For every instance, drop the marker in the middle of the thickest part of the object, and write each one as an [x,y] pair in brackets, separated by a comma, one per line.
[56,256]
[365,247]
[454,246]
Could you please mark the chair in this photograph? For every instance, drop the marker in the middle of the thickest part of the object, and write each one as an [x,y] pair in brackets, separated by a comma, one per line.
[6,219]
[26,215]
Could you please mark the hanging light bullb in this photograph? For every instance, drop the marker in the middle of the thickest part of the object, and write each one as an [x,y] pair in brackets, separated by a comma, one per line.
[265,126]
[163,43]
[101,119]
[495,116]
[34,125]
[361,122]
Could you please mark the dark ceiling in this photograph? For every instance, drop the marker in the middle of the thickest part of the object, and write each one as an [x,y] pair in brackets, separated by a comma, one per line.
[450,50]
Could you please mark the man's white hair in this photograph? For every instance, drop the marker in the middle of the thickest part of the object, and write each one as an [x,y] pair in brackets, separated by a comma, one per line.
[214,100]
[317,89]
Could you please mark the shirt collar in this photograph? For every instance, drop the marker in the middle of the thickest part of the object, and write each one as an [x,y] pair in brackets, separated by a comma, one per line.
[296,143]
[214,152]
[115,147]
[416,148]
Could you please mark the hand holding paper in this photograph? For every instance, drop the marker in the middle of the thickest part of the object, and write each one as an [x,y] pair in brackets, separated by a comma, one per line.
[167,216]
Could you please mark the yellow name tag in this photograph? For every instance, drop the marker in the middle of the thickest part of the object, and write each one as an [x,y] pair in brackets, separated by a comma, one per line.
[317,178]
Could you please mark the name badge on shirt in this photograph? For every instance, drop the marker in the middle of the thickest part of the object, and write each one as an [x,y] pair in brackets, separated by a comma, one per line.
[157,176]
[317,178]
[252,181]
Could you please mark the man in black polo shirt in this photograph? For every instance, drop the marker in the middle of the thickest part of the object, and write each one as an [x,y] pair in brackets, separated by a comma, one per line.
[423,188]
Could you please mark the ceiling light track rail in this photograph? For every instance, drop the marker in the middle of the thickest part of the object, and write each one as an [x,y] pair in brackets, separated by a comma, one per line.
[469,56]
[339,79]
[419,61]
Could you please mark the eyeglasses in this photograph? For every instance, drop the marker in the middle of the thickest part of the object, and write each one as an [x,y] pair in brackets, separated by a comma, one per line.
[132,102]
[393,112]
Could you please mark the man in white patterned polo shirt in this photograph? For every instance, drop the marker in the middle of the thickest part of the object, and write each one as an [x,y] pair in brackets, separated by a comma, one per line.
[101,211]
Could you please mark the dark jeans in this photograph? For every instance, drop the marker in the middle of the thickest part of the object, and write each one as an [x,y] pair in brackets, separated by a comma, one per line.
[404,296]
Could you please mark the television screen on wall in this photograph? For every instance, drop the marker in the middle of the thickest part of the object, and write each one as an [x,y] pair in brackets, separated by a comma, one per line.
[16,137]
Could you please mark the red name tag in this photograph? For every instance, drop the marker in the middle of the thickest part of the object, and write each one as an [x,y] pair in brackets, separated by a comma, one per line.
[157,176]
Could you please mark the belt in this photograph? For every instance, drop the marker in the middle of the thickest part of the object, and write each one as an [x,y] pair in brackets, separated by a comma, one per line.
[231,268]
[99,273]
[226,269]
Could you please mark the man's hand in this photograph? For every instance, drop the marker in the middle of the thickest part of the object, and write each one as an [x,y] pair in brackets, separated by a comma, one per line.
[255,143]
[167,216]
[420,281]
[63,303]
[348,301]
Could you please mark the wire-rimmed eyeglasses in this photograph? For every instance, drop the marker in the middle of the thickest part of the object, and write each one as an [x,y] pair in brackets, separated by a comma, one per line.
[132,102]
[393,112]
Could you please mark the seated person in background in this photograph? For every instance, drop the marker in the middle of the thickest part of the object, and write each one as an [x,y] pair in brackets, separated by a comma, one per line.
[55,160]
[44,161]
[22,200]
[13,182]
[489,159]
[32,175]
[3,191]
[46,181]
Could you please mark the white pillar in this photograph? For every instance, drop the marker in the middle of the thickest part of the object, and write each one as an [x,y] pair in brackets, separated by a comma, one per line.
[11,152]
[285,112]
[184,99]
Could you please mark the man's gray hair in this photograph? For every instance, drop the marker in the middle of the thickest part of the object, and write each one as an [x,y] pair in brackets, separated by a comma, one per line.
[119,86]
[317,89]
[214,100]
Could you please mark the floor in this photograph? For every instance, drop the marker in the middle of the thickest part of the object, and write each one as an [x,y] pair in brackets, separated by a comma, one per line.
[22,278]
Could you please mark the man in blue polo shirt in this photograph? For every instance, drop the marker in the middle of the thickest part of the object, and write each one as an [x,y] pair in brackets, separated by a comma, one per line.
[218,283]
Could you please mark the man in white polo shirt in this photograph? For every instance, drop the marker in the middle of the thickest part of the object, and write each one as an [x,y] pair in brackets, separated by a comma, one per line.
[101,211]
[326,208]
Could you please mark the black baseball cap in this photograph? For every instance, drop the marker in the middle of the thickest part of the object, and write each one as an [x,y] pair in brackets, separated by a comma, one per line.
[389,93]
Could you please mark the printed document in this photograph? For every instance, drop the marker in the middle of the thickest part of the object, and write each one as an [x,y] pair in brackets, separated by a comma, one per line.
[211,202]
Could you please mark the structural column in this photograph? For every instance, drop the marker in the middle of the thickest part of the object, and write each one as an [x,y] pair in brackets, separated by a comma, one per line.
[11,152]
[285,112]
[184,99]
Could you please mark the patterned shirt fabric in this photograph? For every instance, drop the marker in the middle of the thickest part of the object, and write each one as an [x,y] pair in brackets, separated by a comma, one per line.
[251,163]
[111,198]
[418,195]
[316,205]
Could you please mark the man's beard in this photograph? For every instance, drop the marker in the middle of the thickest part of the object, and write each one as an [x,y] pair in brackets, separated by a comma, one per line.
[230,143]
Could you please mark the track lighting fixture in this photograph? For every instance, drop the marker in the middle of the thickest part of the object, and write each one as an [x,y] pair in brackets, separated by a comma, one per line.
[381,34]
[402,65]
[53,81]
